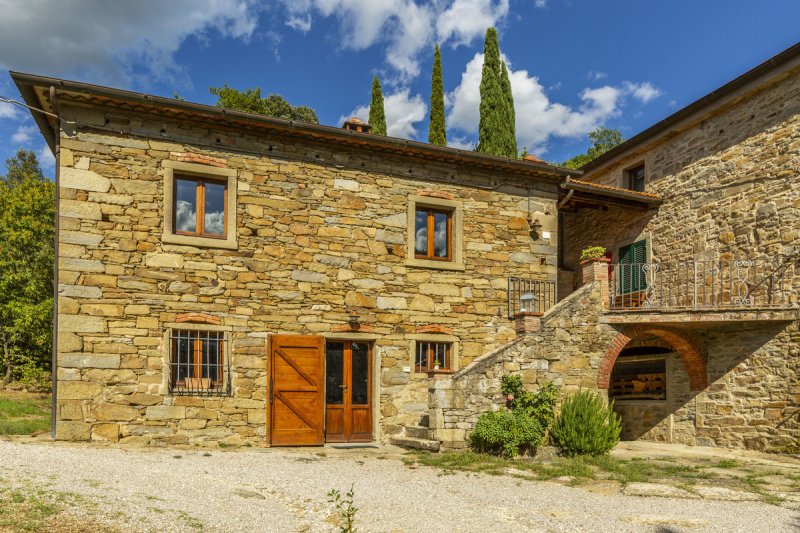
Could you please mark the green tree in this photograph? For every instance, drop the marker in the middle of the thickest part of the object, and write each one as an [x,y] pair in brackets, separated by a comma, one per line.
[377,115]
[603,139]
[27,214]
[496,125]
[250,101]
[437,131]
[511,115]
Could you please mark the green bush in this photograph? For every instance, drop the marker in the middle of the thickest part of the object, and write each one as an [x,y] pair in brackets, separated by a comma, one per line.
[540,404]
[586,425]
[507,433]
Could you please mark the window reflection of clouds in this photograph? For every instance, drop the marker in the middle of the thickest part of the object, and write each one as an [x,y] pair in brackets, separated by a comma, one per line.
[421,236]
[440,234]
[185,216]
[214,218]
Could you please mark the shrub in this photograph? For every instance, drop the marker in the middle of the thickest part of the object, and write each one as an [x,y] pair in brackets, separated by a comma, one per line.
[586,425]
[507,433]
[593,252]
[540,404]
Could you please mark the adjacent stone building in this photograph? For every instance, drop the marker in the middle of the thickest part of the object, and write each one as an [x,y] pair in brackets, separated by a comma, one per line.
[225,277]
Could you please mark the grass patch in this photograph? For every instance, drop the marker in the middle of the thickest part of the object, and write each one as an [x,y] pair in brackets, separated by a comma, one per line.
[24,415]
[727,463]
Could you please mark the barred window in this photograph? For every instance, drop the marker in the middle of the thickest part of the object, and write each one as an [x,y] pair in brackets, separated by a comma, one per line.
[199,363]
[431,354]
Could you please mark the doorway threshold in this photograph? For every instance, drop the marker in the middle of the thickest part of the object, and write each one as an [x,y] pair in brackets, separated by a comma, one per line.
[352,445]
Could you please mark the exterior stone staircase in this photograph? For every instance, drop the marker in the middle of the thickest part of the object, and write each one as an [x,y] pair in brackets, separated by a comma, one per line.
[417,437]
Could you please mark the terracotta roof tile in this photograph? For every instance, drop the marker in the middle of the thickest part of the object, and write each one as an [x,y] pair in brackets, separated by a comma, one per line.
[612,188]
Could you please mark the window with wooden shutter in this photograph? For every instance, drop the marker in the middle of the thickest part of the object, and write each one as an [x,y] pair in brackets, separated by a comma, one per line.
[630,275]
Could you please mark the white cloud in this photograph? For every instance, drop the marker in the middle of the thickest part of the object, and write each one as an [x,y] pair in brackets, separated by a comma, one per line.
[596,75]
[465,20]
[644,92]
[537,117]
[8,110]
[111,42]
[405,27]
[46,158]
[24,134]
[541,4]
[403,113]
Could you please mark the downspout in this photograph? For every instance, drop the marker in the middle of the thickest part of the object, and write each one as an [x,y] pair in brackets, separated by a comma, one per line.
[54,355]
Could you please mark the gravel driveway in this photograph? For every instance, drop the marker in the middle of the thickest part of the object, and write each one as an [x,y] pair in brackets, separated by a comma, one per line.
[285,490]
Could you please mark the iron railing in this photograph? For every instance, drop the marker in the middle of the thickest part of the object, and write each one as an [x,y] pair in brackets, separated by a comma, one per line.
[705,284]
[544,293]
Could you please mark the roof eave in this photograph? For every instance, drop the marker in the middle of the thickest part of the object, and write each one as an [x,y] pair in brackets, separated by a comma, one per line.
[26,83]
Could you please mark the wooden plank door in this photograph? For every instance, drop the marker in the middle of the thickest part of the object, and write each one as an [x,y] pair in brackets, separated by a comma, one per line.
[296,398]
[348,391]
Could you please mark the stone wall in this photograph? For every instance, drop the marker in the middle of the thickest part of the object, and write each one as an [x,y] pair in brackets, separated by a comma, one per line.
[752,399]
[321,235]
[729,182]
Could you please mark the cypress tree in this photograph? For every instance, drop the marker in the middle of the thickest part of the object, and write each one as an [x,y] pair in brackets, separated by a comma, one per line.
[511,116]
[377,116]
[437,132]
[491,128]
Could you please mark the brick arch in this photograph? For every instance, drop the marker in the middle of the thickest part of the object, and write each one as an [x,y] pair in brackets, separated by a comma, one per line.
[688,346]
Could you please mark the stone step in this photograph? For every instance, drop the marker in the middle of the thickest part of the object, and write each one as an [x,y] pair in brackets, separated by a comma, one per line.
[415,443]
[418,432]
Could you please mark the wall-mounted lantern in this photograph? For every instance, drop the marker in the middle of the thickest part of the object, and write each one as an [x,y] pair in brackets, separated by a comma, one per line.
[527,302]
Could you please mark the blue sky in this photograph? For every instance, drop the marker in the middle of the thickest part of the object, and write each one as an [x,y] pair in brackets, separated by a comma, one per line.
[575,64]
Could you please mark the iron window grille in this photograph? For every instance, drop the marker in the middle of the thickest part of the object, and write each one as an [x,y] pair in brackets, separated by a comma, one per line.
[429,353]
[199,363]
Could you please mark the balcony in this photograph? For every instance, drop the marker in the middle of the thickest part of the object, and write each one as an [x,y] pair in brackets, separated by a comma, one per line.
[762,289]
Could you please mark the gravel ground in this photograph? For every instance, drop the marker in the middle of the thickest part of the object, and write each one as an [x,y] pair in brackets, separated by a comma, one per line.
[285,490]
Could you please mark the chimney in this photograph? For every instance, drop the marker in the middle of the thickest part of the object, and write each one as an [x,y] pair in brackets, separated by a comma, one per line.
[532,159]
[355,124]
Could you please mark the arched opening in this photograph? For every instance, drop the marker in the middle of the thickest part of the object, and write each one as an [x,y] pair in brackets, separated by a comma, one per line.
[652,373]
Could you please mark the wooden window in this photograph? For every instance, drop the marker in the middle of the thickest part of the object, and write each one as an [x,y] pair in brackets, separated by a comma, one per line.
[639,378]
[431,353]
[200,207]
[197,362]
[636,178]
[433,234]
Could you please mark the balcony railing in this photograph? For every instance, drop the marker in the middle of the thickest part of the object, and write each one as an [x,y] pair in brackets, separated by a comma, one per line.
[737,283]
[543,292]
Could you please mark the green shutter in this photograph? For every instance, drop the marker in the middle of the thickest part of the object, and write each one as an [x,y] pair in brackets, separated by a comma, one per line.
[631,276]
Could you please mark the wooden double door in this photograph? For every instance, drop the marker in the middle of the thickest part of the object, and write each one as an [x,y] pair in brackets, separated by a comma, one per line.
[319,391]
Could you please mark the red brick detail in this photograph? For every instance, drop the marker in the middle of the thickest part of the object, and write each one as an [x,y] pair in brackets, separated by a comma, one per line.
[435,194]
[200,318]
[689,347]
[352,328]
[434,328]
[199,158]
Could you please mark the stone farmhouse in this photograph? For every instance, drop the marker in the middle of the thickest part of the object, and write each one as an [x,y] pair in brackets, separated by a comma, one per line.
[227,277]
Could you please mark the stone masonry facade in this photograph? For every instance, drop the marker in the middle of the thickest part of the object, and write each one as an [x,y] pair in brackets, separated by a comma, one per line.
[321,234]
[751,400]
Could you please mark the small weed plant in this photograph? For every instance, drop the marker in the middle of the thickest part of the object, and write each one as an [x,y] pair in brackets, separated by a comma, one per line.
[593,252]
[345,509]
[522,428]
[586,425]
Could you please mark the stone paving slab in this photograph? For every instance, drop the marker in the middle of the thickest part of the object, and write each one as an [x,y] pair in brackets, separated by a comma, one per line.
[656,489]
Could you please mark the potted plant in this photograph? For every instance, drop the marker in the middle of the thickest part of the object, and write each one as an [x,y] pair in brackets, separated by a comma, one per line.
[436,364]
[594,254]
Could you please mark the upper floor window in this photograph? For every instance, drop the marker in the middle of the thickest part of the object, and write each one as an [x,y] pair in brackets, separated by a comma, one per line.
[636,178]
[433,234]
[200,207]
